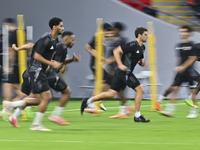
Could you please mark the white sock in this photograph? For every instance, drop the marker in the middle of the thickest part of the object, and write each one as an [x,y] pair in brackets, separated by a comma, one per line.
[193,110]
[57,111]
[5,110]
[18,103]
[137,114]
[190,97]
[160,98]
[170,108]
[38,118]
[92,105]
[122,110]
[89,101]
[17,113]
[29,107]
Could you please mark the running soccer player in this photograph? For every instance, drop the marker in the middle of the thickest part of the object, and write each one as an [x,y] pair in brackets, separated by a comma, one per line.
[187,55]
[90,47]
[11,82]
[55,82]
[132,53]
[40,58]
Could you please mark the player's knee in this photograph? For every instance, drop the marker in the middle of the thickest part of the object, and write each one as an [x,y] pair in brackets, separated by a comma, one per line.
[111,93]
[140,89]
[67,91]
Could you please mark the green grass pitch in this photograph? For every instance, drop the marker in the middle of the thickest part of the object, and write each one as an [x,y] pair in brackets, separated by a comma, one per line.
[90,132]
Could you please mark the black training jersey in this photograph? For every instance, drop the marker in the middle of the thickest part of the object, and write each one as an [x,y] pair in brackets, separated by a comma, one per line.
[13,40]
[92,44]
[45,46]
[184,50]
[61,52]
[132,53]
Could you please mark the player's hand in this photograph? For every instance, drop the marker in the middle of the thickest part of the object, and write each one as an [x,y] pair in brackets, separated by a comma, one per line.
[122,68]
[14,47]
[76,58]
[179,69]
[56,65]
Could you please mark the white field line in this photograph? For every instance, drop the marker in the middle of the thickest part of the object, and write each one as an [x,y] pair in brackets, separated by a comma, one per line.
[95,142]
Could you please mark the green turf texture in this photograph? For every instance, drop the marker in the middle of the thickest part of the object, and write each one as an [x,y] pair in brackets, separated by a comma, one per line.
[90,132]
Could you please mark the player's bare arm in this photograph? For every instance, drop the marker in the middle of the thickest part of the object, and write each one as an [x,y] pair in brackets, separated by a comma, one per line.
[23,47]
[187,63]
[142,63]
[41,59]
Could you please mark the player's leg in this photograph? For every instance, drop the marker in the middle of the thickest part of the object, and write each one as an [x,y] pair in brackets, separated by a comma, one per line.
[170,107]
[45,99]
[59,84]
[165,94]
[105,95]
[40,87]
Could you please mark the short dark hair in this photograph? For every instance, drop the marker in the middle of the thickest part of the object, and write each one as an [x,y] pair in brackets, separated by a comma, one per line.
[9,20]
[139,30]
[186,27]
[107,27]
[118,25]
[54,22]
[67,33]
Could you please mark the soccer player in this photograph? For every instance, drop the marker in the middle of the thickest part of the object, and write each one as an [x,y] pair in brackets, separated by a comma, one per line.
[132,53]
[55,82]
[187,55]
[110,63]
[11,84]
[40,58]
[90,47]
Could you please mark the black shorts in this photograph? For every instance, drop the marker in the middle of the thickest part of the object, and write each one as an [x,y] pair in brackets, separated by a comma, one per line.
[57,83]
[26,85]
[106,77]
[119,82]
[39,82]
[189,77]
[12,78]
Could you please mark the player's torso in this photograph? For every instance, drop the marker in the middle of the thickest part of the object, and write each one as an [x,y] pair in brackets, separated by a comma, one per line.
[184,50]
[131,58]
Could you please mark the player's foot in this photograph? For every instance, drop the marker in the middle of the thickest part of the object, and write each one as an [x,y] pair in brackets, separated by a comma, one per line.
[158,106]
[129,110]
[29,112]
[165,113]
[141,119]
[190,103]
[24,117]
[58,120]
[90,110]
[13,121]
[6,105]
[192,115]
[5,116]
[118,116]
[102,107]
[39,128]
[83,105]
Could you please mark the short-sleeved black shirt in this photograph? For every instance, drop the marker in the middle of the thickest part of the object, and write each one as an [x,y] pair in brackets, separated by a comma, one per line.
[132,53]
[45,46]
[184,50]
[92,44]
[61,52]
[13,40]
